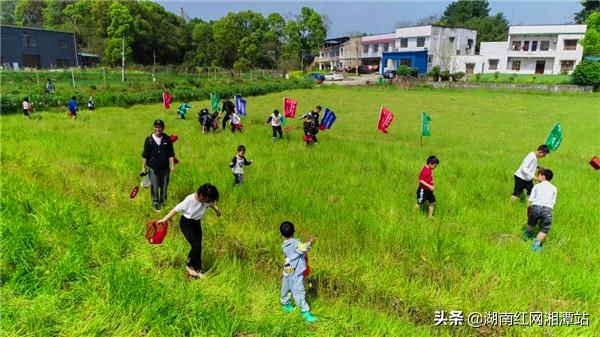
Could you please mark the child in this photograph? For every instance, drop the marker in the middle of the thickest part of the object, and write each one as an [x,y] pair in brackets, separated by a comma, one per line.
[215,121]
[237,165]
[26,107]
[426,188]
[193,208]
[182,109]
[314,117]
[236,123]
[73,107]
[541,201]
[204,119]
[293,271]
[91,105]
[275,120]
[50,87]
[525,174]
[309,131]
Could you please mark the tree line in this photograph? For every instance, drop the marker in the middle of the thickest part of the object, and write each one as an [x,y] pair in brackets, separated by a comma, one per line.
[151,33]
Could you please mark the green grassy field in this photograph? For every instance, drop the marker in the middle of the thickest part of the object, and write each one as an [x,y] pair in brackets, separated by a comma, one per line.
[74,261]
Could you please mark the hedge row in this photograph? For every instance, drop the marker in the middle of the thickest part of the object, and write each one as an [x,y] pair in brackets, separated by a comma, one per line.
[12,103]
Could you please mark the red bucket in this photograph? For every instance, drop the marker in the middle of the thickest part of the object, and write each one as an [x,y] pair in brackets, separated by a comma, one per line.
[155,232]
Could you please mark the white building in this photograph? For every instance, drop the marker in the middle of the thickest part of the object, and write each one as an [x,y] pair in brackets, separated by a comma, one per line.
[373,47]
[542,49]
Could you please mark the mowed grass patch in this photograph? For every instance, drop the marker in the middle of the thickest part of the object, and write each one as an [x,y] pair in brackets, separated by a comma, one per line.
[74,260]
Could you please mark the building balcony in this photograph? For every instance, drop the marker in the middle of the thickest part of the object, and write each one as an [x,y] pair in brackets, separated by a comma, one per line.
[532,54]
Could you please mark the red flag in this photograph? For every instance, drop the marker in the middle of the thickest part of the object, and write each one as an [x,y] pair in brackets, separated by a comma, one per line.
[385,119]
[167,99]
[289,107]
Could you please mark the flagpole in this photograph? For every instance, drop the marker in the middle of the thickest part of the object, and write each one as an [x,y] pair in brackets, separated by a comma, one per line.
[422,117]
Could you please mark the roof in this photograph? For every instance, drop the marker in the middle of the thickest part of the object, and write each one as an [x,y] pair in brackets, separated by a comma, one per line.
[592,58]
[546,29]
[37,28]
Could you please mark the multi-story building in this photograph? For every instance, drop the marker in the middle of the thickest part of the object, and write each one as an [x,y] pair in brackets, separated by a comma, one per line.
[373,47]
[339,54]
[424,47]
[536,49]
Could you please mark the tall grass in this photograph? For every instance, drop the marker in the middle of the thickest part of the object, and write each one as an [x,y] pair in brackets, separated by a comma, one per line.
[74,261]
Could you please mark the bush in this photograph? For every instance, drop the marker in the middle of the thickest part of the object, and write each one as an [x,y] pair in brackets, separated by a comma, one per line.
[477,77]
[445,75]
[457,76]
[512,78]
[414,72]
[403,70]
[587,73]
[496,76]
[435,72]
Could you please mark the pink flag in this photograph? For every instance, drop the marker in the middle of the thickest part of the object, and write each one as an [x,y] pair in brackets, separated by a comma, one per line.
[385,119]
[289,107]
[167,99]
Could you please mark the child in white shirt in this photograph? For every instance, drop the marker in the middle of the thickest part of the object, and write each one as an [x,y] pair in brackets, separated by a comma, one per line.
[525,174]
[237,165]
[541,201]
[193,208]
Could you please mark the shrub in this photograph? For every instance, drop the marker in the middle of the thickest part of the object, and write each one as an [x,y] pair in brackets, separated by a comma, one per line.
[477,77]
[403,70]
[457,76]
[435,72]
[496,76]
[587,73]
[512,78]
[445,75]
[414,72]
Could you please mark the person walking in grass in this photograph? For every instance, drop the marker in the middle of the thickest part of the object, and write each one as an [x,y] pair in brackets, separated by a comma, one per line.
[236,123]
[541,203]
[310,131]
[73,107]
[158,159]
[193,208]
[525,174]
[313,117]
[228,109]
[26,107]
[426,186]
[205,120]
[50,88]
[91,104]
[237,165]
[294,270]
[182,109]
[276,119]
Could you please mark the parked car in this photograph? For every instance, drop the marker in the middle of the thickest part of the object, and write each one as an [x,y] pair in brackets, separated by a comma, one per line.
[334,77]
[389,73]
[316,76]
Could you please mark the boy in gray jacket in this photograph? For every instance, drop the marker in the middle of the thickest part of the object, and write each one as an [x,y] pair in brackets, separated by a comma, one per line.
[294,270]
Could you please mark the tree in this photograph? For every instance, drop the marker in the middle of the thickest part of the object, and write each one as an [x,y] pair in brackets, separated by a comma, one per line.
[304,35]
[29,13]
[591,40]
[7,12]
[475,15]
[120,28]
[589,7]
[587,73]
[52,14]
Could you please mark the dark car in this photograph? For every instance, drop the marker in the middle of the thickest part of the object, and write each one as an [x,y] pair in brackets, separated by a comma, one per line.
[389,74]
[316,76]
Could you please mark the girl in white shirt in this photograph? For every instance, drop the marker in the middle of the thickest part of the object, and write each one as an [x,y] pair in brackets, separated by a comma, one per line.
[26,107]
[193,208]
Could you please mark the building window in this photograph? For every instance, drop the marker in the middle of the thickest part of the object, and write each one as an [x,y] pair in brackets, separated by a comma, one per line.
[405,62]
[420,42]
[429,58]
[516,45]
[493,64]
[526,46]
[366,48]
[534,45]
[570,45]
[566,66]
[386,47]
[62,44]
[376,47]
[27,40]
[544,45]
[469,43]
[516,65]
[458,52]
[451,39]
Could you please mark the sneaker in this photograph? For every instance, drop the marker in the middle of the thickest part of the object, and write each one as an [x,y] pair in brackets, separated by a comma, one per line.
[287,307]
[536,246]
[274,138]
[308,317]
[527,235]
[192,272]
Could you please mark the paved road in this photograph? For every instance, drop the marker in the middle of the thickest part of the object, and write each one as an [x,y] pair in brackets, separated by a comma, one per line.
[360,80]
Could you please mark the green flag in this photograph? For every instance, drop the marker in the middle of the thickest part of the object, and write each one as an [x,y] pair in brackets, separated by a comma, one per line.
[554,138]
[214,101]
[283,120]
[425,120]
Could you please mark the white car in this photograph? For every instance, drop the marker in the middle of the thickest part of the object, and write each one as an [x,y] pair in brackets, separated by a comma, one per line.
[334,77]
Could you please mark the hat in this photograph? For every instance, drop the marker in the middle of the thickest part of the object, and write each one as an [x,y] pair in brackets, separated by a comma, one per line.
[159,122]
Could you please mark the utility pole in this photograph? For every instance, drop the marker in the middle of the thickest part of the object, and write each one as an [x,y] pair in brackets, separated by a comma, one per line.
[123,60]
[154,68]
[302,60]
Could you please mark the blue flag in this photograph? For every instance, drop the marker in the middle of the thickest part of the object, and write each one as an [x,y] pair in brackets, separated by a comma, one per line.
[240,105]
[327,120]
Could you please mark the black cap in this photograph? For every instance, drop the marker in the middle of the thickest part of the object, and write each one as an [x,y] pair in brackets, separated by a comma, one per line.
[160,123]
